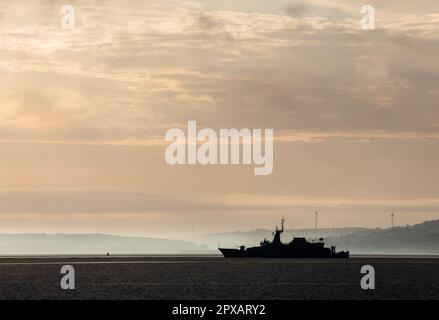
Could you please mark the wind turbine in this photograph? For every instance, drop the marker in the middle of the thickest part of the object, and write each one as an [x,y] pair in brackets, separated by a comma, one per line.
[317,214]
[392,217]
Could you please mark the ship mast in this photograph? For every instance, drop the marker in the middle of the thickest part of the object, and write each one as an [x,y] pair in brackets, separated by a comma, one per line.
[277,230]
[276,239]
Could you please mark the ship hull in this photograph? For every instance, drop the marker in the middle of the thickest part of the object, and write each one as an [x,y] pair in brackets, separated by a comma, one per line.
[258,252]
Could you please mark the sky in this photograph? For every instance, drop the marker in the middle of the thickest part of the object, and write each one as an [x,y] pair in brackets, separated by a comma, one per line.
[84,112]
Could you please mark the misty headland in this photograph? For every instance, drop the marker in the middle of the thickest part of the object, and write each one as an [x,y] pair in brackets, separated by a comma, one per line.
[418,239]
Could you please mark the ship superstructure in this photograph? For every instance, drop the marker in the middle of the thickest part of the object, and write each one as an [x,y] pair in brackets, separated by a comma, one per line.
[299,247]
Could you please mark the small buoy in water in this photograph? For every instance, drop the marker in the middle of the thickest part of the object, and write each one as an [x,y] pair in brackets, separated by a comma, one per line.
[108,254]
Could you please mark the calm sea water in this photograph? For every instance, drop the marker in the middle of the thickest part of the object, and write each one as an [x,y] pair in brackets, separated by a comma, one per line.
[213,277]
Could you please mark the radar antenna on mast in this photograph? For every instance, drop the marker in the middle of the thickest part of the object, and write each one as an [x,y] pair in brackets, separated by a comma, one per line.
[281,226]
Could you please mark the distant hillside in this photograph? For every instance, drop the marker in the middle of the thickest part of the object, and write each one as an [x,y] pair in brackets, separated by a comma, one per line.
[254,237]
[417,239]
[421,238]
[17,244]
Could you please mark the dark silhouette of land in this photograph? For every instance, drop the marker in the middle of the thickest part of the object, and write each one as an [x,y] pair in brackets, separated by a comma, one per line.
[421,238]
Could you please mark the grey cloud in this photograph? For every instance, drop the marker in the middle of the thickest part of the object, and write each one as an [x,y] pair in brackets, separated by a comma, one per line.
[208,22]
[300,9]
[76,202]
[120,202]
[297,9]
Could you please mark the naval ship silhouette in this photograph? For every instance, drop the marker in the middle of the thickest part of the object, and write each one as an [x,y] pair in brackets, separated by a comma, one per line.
[297,248]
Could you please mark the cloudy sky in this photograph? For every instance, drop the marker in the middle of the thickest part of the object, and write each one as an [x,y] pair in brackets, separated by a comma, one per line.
[83,113]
